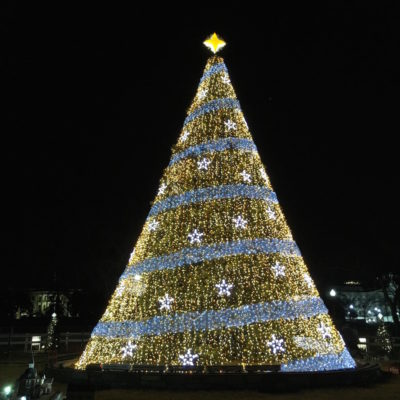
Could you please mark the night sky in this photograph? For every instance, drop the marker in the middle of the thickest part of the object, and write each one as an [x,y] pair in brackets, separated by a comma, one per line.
[98,97]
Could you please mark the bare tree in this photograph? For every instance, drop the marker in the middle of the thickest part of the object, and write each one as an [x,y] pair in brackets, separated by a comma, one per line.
[390,284]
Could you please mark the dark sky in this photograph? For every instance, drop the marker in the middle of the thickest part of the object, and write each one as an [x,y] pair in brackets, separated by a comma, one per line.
[98,97]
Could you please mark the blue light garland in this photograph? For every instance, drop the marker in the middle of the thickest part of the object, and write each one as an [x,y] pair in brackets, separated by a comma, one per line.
[213,193]
[192,255]
[213,105]
[326,362]
[213,319]
[214,70]
[212,146]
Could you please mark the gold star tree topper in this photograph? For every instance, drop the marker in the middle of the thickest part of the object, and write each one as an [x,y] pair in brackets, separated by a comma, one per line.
[214,43]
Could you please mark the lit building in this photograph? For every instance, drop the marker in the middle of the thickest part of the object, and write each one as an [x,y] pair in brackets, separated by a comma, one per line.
[43,302]
[361,303]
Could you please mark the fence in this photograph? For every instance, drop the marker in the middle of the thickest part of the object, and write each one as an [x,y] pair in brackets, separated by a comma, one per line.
[371,344]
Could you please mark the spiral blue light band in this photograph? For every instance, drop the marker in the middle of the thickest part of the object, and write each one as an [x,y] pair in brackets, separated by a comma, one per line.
[213,105]
[214,70]
[213,319]
[324,362]
[213,193]
[194,254]
[212,146]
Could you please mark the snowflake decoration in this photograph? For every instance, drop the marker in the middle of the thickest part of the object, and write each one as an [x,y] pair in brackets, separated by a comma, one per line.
[279,269]
[224,288]
[188,358]
[203,93]
[240,222]
[153,225]
[127,351]
[184,136]
[276,345]
[246,176]
[324,330]
[308,280]
[264,175]
[162,188]
[166,302]
[225,79]
[309,343]
[203,164]
[230,125]
[195,236]
[271,213]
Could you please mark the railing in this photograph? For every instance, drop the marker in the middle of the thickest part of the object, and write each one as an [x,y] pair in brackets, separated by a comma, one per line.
[66,341]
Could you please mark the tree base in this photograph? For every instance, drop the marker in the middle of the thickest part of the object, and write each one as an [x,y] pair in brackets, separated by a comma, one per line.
[120,377]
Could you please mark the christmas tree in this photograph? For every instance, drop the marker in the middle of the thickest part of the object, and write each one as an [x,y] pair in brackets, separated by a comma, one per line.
[215,277]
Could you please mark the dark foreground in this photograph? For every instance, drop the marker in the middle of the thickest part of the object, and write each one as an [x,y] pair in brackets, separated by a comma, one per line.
[387,390]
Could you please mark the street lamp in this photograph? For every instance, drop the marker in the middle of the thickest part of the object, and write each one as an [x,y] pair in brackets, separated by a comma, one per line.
[332,292]
[7,390]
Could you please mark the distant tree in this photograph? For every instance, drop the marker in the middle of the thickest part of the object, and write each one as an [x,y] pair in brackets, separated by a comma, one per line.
[11,300]
[390,284]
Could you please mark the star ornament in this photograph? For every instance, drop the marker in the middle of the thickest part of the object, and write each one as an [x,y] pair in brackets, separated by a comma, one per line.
[230,125]
[224,288]
[185,136]
[195,237]
[161,189]
[203,164]
[240,222]
[271,213]
[264,175]
[214,43]
[121,288]
[166,302]
[324,330]
[246,176]
[276,345]
[308,280]
[131,256]
[153,225]
[225,79]
[279,269]
[188,358]
[203,94]
[128,350]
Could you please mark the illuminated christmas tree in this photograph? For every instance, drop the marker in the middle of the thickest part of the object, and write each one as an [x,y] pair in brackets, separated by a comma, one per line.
[383,338]
[215,277]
